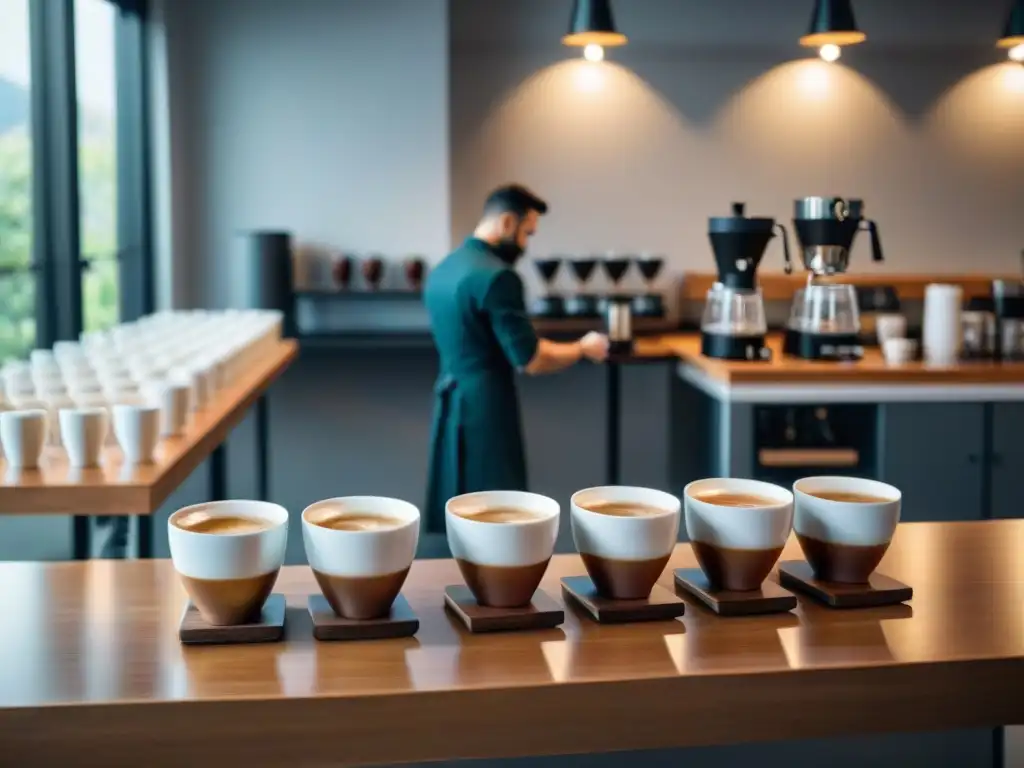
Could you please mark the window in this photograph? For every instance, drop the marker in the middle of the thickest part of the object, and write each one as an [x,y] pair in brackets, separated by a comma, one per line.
[75,246]
[17,280]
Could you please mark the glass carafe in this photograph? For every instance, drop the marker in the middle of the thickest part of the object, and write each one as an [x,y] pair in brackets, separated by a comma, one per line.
[734,313]
[825,309]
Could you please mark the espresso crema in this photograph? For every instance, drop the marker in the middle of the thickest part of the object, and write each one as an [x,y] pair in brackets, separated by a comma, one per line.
[731,499]
[201,522]
[624,509]
[358,521]
[501,515]
[851,497]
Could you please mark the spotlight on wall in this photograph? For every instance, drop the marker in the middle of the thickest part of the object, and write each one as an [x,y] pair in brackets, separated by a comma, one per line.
[592,28]
[1013,33]
[832,26]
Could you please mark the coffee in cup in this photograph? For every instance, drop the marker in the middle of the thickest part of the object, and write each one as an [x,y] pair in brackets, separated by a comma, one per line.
[360,549]
[737,529]
[228,554]
[844,525]
[502,542]
[625,536]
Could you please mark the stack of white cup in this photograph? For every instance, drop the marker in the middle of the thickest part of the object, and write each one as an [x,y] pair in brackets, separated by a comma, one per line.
[169,363]
[942,326]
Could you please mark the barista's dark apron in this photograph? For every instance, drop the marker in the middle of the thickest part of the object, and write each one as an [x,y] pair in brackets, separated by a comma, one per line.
[476,439]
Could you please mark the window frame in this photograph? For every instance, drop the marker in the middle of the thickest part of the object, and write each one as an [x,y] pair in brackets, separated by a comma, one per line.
[57,258]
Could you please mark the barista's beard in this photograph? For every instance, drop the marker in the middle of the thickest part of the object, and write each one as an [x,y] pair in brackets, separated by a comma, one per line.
[508,250]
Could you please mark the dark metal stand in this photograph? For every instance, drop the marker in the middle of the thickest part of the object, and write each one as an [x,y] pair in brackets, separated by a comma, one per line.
[613,411]
[219,473]
[999,747]
[81,537]
[262,449]
[144,532]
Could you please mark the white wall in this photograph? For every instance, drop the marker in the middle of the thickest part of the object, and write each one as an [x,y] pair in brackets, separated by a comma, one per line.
[325,117]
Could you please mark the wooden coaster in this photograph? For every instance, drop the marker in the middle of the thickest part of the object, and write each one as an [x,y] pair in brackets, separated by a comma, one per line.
[770,598]
[880,589]
[327,625]
[269,628]
[660,605]
[541,613]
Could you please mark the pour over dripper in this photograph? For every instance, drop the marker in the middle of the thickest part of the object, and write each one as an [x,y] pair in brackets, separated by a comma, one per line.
[615,268]
[650,267]
[739,244]
[583,269]
[547,269]
[583,304]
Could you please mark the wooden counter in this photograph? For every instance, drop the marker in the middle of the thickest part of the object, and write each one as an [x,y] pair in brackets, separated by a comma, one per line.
[118,489]
[92,666]
[787,370]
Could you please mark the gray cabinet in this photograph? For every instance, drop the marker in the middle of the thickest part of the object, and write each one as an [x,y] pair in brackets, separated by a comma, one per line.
[934,453]
[1007,460]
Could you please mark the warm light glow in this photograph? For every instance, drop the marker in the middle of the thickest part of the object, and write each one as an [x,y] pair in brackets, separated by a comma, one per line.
[1011,42]
[814,80]
[607,39]
[1017,53]
[593,52]
[833,38]
[1013,79]
[589,79]
[830,52]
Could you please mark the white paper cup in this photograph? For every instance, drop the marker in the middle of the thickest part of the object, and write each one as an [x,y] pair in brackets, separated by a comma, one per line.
[229,576]
[624,555]
[899,352]
[137,428]
[83,432]
[502,563]
[173,399]
[23,434]
[737,546]
[361,572]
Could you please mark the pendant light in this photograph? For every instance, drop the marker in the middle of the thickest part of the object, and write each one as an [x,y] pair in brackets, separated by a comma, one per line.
[832,26]
[1013,34]
[592,28]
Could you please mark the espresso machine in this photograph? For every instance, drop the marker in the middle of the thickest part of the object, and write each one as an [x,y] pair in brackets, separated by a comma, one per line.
[824,322]
[734,325]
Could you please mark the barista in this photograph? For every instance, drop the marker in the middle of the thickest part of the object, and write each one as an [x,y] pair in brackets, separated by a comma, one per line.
[484,337]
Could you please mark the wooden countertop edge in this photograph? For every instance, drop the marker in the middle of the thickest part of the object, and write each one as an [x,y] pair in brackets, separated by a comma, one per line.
[598,716]
[145,498]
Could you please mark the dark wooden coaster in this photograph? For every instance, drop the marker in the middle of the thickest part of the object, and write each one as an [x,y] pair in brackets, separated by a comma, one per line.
[770,598]
[660,605]
[880,589]
[327,625]
[269,628]
[542,612]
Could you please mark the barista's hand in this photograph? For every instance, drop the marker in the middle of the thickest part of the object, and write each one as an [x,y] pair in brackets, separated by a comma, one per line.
[594,346]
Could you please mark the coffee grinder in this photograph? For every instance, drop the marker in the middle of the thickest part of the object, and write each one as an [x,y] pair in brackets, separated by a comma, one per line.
[550,304]
[618,309]
[734,326]
[649,304]
[582,303]
[824,322]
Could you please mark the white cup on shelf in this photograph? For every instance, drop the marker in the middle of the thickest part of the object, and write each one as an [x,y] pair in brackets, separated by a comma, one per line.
[899,352]
[172,398]
[83,432]
[941,337]
[23,434]
[137,428]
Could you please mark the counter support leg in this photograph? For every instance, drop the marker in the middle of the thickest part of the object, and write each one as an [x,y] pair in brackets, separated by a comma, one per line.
[614,408]
[262,449]
[144,532]
[999,747]
[219,473]
[81,537]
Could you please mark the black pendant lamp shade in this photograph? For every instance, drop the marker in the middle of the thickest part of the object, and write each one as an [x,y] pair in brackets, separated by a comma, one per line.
[832,23]
[1013,35]
[592,23]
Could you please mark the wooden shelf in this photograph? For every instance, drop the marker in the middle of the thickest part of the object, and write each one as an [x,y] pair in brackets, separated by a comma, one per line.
[118,489]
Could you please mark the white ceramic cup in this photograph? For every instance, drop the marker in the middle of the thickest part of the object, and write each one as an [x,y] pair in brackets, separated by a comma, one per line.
[137,428]
[23,434]
[942,328]
[899,351]
[173,399]
[361,572]
[229,576]
[624,555]
[198,382]
[737,546]
[845,540]
[502,563]
[83,432]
